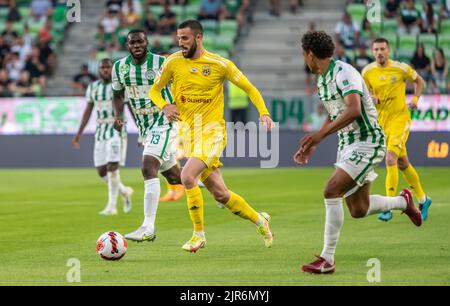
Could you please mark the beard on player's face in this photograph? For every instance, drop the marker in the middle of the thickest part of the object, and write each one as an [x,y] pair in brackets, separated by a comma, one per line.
[190,51]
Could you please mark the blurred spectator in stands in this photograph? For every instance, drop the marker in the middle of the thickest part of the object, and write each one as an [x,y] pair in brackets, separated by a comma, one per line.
[20,47]
[5,84]
[45,33]
[439,69]
[275,8]
[82,80]
[317,118]
[391,8]
[4,51]
[154,2]
[102,38]
[367,34]
[9,35]
[14,65]
[111,21]
[93,61]
[362,59]
[174,46]
[156,46]
[46,55]
[210,9]
[236,9]
[421,63]
[36,68]
[341,56]
[132,12]
[429,19]
[14,14]
[41,9]
[347,32]
[237,103]
[24,86]
[167,21]
[409,19]
[115,5]
[445,9]
[150,24]
[4,3]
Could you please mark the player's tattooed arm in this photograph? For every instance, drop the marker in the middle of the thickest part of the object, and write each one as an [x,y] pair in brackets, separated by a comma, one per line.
[84,121]
[118,103]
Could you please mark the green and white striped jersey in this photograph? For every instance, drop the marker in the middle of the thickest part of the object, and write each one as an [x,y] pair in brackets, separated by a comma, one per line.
[137,81]
[340,80]
[101,95]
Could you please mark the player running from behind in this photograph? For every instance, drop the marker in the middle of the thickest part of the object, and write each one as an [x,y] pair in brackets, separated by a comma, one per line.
[386,80]
[197,83]
[134,75]
[361,147]
[110,146]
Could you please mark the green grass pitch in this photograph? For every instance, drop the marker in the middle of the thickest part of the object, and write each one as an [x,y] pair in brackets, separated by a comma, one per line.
[50,216]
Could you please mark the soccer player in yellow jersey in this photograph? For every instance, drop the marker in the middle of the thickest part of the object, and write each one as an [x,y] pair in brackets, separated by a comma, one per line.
[197,84]
[386,80]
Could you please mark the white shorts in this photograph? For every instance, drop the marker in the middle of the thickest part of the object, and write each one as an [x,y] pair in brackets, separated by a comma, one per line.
[359,161]
[161,143]
[113,150]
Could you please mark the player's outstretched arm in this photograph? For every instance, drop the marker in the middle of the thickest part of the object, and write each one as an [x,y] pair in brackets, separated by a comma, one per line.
[419,85]
[84,121]
[234,75]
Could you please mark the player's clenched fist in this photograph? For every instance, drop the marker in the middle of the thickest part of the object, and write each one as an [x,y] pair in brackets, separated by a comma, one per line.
[118,124]
[171,112]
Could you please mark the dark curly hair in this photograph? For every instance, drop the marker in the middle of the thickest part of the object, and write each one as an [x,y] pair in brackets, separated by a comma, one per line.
[319,43]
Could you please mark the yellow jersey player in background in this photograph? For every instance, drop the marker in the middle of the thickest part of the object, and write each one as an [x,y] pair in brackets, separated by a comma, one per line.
[197,83]
[386,80]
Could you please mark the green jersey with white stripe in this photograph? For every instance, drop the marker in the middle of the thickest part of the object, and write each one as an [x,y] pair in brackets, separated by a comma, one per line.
[101,95]
[137,80]
[340,80]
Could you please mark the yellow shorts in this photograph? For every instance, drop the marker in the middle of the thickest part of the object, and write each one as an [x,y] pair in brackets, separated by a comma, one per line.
[208,150]
[397,132]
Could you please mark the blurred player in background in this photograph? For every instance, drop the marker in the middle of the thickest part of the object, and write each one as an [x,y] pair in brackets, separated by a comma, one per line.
[197,81]
[361,147]
[386,80]
[135,75]
[110,145]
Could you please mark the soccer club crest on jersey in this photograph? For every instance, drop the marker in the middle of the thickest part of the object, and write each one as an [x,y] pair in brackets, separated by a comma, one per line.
[124,69]
[150,75]
[206,70]
[393,79]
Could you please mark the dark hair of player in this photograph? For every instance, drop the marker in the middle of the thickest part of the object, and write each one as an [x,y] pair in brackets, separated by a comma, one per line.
[194,25]
[319,43]
[136,31]
[380,40]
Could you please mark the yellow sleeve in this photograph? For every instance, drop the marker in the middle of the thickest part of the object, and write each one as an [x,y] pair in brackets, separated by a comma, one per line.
[366,80]
[234,75]
[410,74]
[162,79]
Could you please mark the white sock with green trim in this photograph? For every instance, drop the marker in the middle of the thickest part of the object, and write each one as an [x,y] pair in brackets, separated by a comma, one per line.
[151,201]
[334,221]
[379,204]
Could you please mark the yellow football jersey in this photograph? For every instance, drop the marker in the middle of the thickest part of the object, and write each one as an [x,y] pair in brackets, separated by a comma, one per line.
[197,87]
[388,84]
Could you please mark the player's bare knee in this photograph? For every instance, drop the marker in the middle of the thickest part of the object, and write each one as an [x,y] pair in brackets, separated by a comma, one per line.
[111,167]
[149,173]
[357,212]
[221,195]
[173,178]
[332,191]
[403,163]
[391,159]
[188,180]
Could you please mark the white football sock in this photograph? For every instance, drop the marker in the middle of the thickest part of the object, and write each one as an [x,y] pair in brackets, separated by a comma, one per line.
[122,188]
[113,189]
[333,224]
[151,200]
[379,204]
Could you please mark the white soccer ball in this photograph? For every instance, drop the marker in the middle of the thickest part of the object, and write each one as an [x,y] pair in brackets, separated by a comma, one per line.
[111,246]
